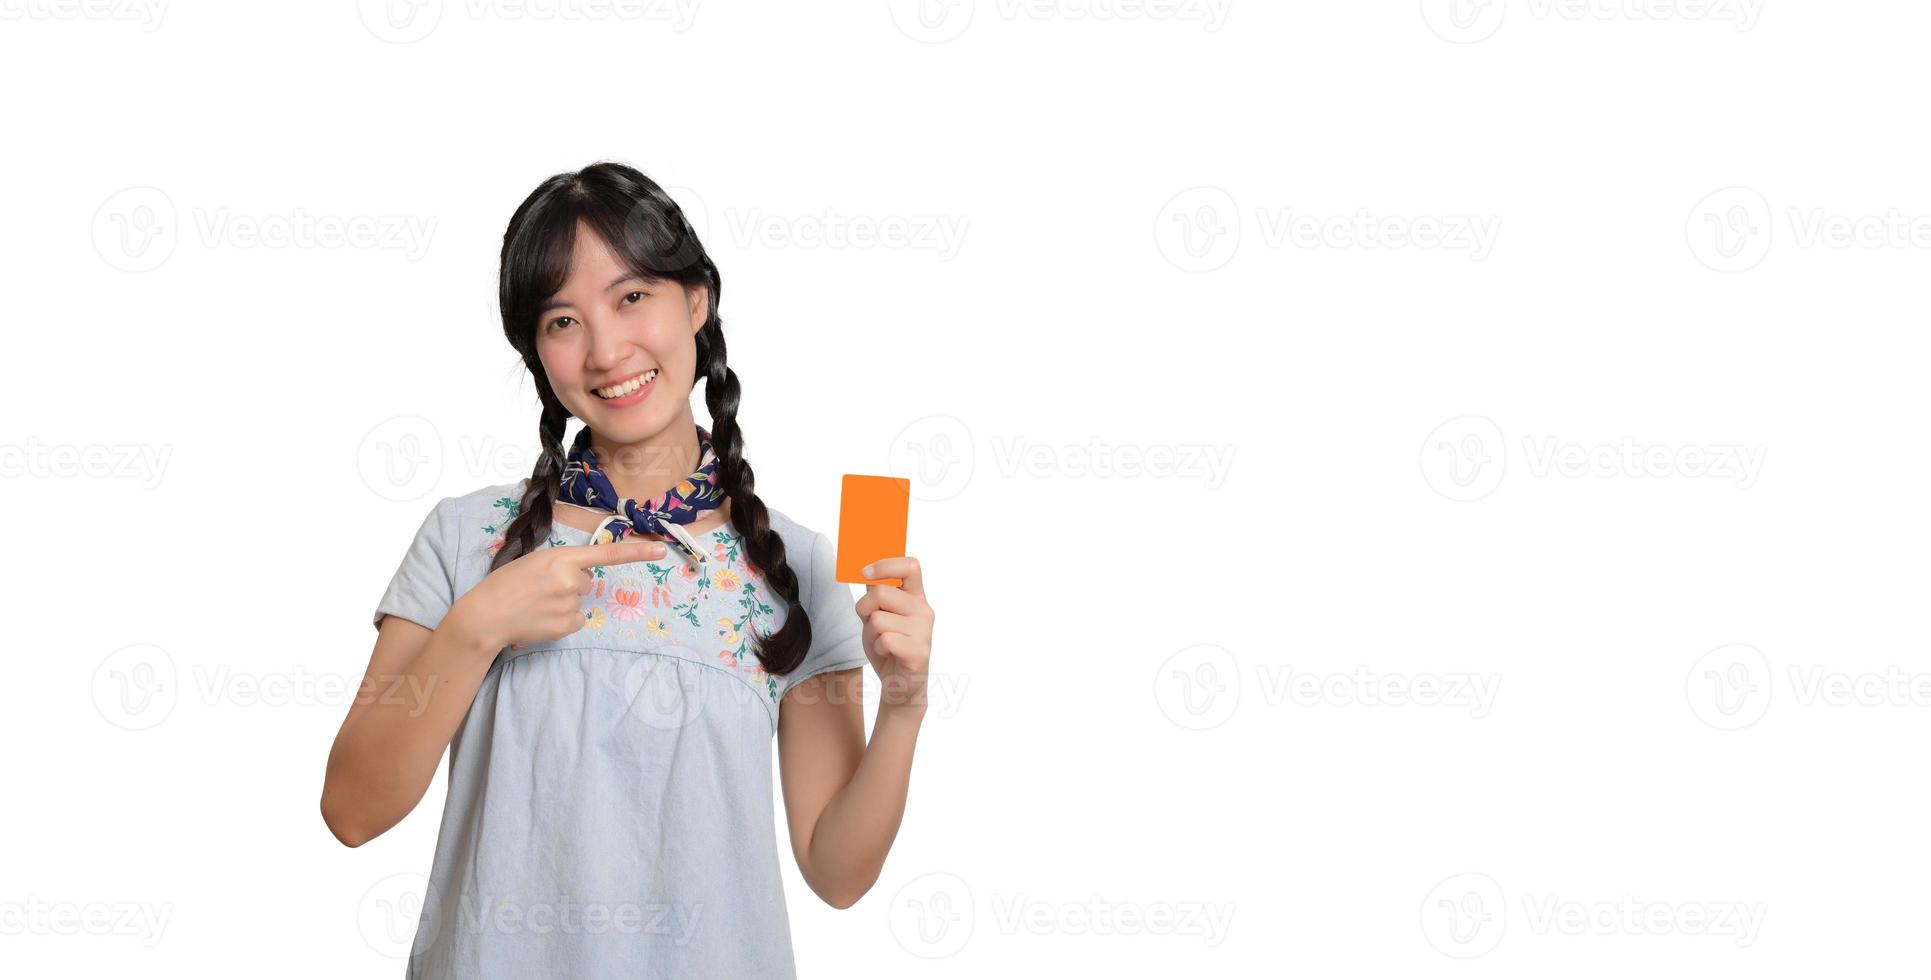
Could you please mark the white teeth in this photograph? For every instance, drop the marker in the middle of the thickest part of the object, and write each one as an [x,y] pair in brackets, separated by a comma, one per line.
[618,391]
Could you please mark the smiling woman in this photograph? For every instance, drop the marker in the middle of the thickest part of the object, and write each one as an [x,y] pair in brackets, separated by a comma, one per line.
[608,703]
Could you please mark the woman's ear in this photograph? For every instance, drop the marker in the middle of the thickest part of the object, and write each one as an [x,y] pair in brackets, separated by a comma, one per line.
[700,300]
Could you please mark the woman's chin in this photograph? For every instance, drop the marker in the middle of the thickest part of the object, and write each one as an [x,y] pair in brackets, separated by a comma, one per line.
[623,425]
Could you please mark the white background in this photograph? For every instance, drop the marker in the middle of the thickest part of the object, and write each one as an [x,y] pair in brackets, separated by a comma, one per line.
[1641,461]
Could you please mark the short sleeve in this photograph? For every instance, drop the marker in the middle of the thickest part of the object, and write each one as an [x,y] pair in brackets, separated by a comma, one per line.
[424,586]
[837,634]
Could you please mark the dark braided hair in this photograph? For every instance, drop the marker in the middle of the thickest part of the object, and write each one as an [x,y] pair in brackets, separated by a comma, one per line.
[649,232]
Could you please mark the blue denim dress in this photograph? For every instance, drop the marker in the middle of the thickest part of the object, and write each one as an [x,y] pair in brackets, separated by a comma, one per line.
[610,807]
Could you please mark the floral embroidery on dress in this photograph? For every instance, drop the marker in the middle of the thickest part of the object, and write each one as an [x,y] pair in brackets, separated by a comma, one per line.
[499,527]
[626,600]
[510,507]
[676,590]
[688,592]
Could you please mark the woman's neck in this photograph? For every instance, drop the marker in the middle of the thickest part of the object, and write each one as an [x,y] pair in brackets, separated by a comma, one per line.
[644,470]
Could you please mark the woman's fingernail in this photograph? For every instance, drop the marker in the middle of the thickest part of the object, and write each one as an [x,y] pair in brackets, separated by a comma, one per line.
[866,572]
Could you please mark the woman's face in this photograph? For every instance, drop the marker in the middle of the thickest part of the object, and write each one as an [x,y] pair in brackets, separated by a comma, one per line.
[606,330]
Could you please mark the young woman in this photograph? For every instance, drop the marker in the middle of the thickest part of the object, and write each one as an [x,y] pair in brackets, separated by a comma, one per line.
[609,646]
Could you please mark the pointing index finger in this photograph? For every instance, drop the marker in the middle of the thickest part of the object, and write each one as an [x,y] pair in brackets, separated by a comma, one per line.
[618,552]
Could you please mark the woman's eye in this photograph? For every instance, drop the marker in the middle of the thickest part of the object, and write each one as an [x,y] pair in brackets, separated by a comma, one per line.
[560,321]
[633,296]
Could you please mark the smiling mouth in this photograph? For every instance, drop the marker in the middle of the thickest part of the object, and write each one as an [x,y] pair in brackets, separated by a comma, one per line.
[623,388]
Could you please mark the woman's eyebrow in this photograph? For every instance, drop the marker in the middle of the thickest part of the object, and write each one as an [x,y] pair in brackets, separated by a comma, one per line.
[614,283]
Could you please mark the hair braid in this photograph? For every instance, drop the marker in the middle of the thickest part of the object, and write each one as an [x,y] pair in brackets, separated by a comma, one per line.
[782,651]
[534,513]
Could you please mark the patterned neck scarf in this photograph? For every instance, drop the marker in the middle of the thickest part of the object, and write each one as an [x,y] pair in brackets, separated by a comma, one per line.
[586,485]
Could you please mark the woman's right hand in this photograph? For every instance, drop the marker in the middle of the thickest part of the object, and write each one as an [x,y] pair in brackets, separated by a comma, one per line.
[538,596]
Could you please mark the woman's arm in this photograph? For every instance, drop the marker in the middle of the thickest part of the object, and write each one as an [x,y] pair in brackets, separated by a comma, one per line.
[843,796]
[419,685]
[421,681]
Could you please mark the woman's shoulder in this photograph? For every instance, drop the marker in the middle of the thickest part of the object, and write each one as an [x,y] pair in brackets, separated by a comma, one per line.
[496,503]
[783,522]
[798,537]
[465,524]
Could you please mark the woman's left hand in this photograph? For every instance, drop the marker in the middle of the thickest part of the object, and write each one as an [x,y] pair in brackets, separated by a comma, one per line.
[898,631]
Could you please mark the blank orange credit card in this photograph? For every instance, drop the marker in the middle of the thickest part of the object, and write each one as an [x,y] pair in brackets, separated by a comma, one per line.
[871,524]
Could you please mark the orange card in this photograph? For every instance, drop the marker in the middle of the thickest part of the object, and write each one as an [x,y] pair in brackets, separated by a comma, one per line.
[871,524]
